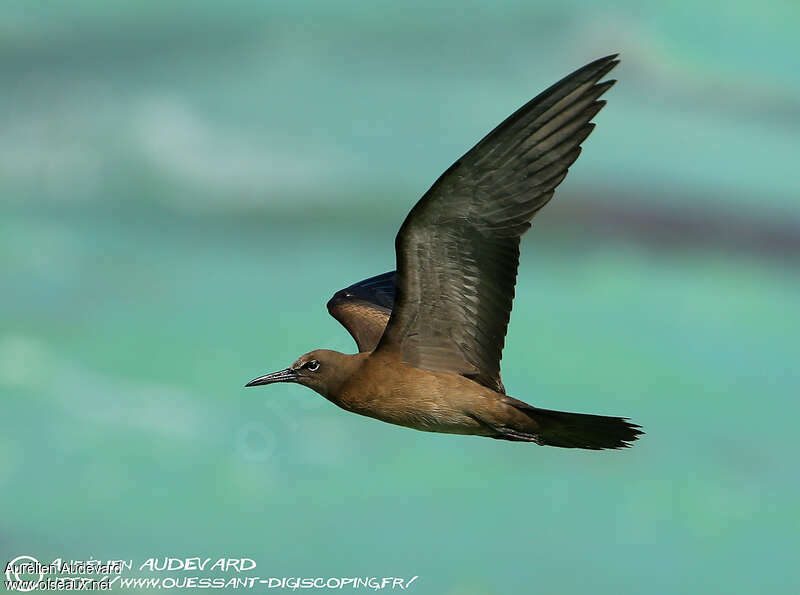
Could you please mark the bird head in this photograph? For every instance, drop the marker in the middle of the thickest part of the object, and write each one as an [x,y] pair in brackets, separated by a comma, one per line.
[321,370]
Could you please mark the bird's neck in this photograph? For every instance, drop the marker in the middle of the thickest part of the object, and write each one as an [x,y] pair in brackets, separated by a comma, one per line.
[346,366]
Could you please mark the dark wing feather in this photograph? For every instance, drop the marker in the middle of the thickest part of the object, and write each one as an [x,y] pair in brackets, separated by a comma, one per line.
[458,249]
[364,309]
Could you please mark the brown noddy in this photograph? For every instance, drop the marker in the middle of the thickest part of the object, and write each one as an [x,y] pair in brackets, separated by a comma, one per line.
[430,334]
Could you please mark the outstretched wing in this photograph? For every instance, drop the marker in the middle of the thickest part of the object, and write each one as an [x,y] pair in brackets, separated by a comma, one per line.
[458,249]
[364,309]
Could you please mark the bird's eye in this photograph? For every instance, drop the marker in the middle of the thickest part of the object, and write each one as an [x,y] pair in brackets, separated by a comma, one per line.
[312,366]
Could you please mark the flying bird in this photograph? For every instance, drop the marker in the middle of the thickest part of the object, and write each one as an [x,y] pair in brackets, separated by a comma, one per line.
[430,334]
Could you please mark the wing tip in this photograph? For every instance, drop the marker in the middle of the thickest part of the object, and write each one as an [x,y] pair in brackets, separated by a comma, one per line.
[599,68]
[610,58]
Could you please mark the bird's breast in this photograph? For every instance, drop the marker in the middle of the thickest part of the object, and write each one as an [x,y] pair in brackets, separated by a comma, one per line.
[415,398]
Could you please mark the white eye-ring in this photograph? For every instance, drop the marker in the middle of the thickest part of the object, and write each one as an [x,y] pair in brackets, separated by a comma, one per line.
[312,366]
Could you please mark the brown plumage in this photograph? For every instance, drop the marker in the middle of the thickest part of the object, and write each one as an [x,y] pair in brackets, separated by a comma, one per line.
[430,335]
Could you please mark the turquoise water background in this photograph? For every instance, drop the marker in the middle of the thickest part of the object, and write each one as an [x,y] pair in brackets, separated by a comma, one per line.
[183,185]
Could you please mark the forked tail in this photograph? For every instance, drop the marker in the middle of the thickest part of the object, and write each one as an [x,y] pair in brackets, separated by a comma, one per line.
[570,430]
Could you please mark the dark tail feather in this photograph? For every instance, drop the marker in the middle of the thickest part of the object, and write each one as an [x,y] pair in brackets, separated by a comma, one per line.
[575,430]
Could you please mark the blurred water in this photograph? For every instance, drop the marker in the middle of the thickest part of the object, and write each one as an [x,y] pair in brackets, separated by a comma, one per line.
[183,186]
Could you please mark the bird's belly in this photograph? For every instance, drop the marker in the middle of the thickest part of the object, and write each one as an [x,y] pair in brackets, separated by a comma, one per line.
[421,399]
[426,416]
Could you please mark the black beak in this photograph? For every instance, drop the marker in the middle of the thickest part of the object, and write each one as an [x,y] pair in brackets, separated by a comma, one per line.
[287,375]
